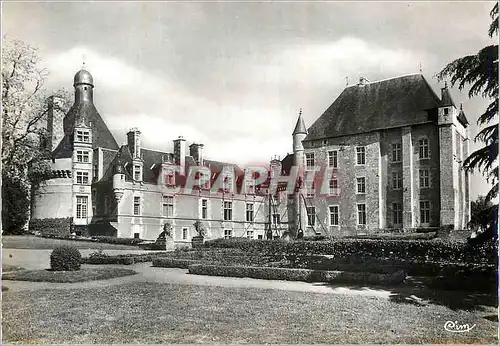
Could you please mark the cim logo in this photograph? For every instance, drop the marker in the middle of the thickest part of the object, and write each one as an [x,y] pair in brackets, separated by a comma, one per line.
[455,327]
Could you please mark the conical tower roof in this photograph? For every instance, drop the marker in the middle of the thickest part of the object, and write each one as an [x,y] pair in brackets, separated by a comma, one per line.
[300,127]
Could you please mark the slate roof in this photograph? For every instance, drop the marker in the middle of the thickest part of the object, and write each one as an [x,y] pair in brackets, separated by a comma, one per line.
[446,99]
[84,112]
[462,118]
[400,101]
[152,160]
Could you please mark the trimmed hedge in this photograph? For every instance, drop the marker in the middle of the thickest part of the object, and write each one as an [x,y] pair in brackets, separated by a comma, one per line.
[173,263]
[402,236]
[102,258]
[436,250]
[307,275]
[51,226]
[65,258]
[116,240]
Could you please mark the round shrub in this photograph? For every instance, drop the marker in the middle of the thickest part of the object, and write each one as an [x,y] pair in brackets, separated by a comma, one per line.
[65,258]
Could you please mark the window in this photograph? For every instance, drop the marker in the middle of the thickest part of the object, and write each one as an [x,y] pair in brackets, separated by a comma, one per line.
[396,152]
[228,211]
[96,171]
[137,173]
[309,161]
[137,205]
[106,204]
[168,206]
[170,178]
[423,148]
[333,159]
[360,155]
[249,212]
[82,178]
[81,207]
[397,213]
[82,136]
[204,209]
[228,184]
[82,156]
[334,186]
[334,215]
[424,177]
[425,211]
[361,214]
[259,236]
[361,185]
[276,218]
[446,110]
[228,233]
[311,216]
[397,181]
[310,192]
[184,233]
[137,235]
[250,234]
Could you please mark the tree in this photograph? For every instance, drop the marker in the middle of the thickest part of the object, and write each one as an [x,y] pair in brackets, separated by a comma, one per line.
[481,214]
[480,72]
[24,112]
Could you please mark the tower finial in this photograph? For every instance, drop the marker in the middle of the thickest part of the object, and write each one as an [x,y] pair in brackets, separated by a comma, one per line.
[346,81]
[420,67]
[461,106]
[83,61]
[300,112]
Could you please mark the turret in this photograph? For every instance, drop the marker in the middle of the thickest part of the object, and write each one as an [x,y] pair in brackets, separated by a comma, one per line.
[84,86]
[299,134]
[118,179]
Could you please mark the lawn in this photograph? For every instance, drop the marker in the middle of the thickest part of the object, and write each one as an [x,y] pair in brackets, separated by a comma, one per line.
[173,313]
[32,242]
[84,274]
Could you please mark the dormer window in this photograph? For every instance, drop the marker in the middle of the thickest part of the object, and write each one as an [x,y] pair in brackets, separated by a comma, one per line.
[169,178]
[83,136]
[228,184]
[137,173]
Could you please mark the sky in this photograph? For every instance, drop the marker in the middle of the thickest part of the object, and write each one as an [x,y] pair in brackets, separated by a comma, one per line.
[233,76]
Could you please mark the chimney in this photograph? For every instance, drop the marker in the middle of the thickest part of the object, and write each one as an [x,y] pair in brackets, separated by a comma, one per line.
[134,143]
[196,151]
[180,153]
[55,118]
[363,81]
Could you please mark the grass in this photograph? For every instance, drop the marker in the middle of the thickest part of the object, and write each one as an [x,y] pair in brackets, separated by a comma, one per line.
[84,274]
[172,313]
[32,242]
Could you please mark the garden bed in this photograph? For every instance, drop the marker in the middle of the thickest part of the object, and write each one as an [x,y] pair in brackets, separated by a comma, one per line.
[306,275]
[84,274]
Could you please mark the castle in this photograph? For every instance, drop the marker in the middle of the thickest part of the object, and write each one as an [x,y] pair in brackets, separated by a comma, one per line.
[391,151]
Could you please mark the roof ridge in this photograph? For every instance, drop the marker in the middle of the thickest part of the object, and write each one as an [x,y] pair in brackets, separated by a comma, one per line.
[388,79]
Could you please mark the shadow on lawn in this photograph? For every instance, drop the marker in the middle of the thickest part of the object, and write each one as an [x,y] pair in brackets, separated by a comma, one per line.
[416,292]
